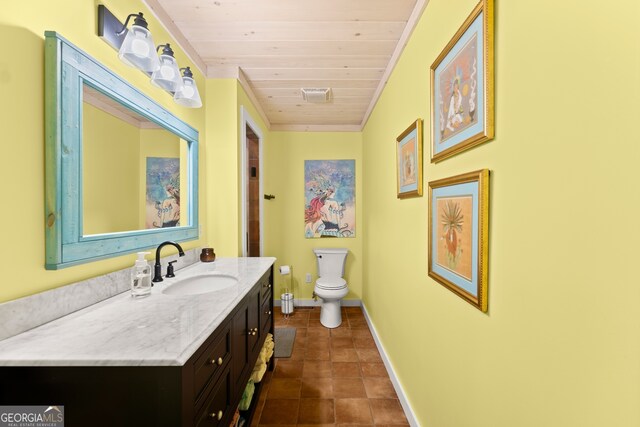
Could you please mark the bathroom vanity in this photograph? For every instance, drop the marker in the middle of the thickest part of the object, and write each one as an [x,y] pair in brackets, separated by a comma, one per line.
[163,360]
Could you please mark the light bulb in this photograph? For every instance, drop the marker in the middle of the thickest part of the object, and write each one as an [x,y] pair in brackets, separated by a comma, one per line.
[187,91]
[140,48]
[167,72]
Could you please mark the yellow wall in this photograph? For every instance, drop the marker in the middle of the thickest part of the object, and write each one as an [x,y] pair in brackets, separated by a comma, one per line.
[284,239]
[560,343]
[107,192]
[22,166]
[221,157]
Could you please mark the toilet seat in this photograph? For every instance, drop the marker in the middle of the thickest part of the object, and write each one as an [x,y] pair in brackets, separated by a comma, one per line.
[331,284]
[331,294]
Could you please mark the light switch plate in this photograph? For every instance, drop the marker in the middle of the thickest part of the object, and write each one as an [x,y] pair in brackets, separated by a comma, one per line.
[308,278]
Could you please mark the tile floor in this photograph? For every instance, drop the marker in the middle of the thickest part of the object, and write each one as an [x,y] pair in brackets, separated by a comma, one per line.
[334,377]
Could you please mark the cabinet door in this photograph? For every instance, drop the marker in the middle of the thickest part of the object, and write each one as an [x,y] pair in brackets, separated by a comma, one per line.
[255,332]
[240,342]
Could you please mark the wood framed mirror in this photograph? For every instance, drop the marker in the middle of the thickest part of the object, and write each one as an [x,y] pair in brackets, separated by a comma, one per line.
[121,172]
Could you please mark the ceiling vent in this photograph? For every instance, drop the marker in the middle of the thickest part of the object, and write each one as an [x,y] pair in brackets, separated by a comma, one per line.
[316,96]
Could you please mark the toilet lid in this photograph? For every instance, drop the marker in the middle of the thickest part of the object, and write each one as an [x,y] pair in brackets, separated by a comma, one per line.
[333,283]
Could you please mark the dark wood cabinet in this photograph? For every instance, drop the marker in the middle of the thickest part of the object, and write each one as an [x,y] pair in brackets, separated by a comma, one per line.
[205,391]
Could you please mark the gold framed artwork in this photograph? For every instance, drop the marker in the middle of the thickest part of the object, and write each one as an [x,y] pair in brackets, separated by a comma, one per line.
[462,83]
[459,235]
[409,161]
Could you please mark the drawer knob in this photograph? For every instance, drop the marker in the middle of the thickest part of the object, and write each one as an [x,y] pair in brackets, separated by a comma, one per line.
[267,312]
[216,361]
[217,416]
[253,331]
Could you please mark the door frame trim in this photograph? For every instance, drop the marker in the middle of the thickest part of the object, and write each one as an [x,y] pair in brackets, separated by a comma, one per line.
[247,120]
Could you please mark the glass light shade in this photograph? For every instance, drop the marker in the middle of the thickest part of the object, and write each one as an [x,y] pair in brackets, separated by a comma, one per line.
[188,95]
[138,50]
[167,76]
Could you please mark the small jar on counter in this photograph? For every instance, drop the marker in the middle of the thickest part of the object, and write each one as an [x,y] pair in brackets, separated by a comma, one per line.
[207,255]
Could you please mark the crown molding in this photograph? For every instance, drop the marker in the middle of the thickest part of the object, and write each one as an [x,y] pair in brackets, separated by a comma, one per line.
[167,23]
[315,128]
[252,96]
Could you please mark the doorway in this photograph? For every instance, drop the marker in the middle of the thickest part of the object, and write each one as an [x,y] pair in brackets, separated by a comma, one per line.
[253,194]
[251,186]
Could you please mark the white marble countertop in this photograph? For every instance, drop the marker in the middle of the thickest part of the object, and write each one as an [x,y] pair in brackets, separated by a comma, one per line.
[157,330]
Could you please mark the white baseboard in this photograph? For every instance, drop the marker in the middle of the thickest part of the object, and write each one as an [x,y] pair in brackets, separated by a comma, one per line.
[311,303]
[411,418]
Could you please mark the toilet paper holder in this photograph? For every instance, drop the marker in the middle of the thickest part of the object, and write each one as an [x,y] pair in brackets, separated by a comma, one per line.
[286,299]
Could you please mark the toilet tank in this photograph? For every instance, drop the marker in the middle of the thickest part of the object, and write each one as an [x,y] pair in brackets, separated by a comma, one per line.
[331,261]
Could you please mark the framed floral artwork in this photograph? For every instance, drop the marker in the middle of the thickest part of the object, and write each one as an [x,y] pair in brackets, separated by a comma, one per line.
[459,235]
[409,161]
[462,82]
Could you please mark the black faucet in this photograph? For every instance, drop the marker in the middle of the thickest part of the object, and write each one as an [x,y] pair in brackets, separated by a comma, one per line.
[157,268]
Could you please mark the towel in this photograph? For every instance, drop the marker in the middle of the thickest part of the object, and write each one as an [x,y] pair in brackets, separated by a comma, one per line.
[246,396]
[258,372]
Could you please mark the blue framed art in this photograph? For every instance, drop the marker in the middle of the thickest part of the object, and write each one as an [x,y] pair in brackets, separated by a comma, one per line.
[462,102]
[409,161]
[459,235]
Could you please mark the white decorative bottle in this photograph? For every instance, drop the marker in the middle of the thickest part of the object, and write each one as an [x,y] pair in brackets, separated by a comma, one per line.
[141,277]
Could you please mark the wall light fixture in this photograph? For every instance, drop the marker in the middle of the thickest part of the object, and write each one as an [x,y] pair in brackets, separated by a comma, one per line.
[188,94]
[136,48]
[167,75]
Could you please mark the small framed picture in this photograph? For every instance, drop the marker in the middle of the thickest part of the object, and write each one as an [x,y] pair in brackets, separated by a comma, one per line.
[462,82]
[409,161]
[459,235]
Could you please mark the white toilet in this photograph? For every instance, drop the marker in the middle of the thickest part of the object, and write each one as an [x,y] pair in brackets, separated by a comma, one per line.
[330,286]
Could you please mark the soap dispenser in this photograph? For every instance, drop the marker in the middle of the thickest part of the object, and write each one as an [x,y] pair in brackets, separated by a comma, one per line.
[141,277]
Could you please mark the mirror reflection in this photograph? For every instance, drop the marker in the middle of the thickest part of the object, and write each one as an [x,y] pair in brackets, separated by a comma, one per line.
[133,169]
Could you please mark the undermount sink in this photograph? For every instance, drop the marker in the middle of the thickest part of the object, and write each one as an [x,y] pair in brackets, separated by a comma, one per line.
[201,284]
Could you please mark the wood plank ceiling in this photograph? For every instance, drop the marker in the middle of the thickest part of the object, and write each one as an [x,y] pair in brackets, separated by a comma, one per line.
[276,48]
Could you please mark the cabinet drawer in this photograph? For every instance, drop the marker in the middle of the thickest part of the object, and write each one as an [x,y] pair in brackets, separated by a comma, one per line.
[266,313]
[265,285]
[218,403]
[211,362]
